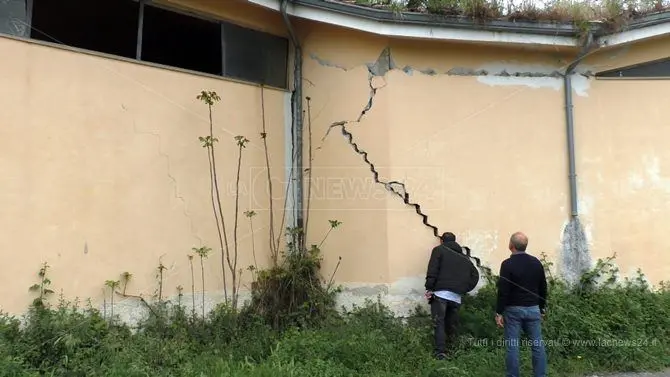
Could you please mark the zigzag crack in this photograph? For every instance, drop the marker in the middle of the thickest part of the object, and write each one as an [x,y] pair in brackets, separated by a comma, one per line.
[399,189]
[380,68]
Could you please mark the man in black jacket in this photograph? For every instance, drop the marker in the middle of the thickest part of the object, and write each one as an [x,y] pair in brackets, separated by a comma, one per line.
[450,275]
[521,303]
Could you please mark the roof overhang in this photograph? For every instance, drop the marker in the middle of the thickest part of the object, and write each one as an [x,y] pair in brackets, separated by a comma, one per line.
[460,29]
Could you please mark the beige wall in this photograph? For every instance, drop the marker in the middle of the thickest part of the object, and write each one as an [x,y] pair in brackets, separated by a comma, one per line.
[484,155]
[623,159]
[103,172]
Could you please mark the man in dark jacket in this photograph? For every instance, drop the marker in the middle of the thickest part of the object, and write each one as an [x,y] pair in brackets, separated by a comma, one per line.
[521,303]
[450,275]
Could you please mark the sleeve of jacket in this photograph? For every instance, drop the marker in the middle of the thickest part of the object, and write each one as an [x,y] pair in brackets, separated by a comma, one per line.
[503,288]
[474,277]
[433,269]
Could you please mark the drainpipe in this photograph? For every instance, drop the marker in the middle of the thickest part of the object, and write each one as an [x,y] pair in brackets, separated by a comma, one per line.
[296,108]
[569,116]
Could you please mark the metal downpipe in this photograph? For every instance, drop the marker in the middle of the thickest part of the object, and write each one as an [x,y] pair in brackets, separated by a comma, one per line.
[570,124]
[297,127]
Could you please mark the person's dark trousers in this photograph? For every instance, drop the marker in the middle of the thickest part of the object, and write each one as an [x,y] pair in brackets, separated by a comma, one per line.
[445,323]
[528,319]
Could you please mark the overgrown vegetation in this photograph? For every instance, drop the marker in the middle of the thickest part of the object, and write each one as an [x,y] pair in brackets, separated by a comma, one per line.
[612,13]
[291,326]
[69,340]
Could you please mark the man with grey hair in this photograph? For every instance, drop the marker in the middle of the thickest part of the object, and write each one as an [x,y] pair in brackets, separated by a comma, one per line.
[522,297]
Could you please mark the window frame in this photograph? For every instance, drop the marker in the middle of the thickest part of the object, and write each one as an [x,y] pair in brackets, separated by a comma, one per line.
[140,37]
[610,74]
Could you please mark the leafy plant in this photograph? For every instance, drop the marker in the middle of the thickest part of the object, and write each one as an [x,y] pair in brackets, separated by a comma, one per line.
[112,284]
[42,288]
[125,278]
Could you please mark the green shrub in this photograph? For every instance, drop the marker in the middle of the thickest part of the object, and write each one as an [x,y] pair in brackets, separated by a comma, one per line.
[66,340]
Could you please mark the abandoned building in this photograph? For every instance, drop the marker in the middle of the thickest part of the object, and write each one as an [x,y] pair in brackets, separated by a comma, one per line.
[400,126]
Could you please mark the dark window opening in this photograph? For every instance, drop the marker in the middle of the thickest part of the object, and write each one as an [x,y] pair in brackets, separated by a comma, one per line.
[255,56]
[182,41]
[14,18]
[107,26]
[656,68]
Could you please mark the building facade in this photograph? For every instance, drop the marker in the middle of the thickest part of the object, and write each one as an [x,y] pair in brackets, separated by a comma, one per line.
[104,172]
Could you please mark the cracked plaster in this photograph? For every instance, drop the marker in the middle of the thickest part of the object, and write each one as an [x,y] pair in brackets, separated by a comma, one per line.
[493,74]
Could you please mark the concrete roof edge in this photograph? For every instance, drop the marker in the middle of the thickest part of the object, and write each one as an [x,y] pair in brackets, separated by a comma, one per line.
[421,25]
[454,22]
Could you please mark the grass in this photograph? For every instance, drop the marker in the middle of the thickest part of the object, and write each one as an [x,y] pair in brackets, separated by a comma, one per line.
[612,13]
[66,340]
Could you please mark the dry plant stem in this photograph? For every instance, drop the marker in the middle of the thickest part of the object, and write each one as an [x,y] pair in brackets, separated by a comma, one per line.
[264,135]
[218,225]
[160,282]
[309,166]
[237,210]
[142,300]
[283,217]
[112,303]
[332,277]
[326,236]
[215,178]
[192,285]
[202,273]
[253,243]
[239,283]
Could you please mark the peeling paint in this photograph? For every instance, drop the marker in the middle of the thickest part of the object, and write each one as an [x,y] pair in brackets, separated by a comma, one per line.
[649,176]
[383,64]
[493,74]
[401,297]
[327,63]
[575,256]
[366,290]
[635,181]
[484,241]
[533,76]
[585,204]
[132,311]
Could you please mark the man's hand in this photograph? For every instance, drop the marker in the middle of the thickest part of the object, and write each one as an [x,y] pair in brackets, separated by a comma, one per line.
[500,321]
[428,295]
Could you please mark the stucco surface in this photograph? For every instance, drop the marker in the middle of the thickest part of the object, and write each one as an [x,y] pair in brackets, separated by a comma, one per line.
[103,173]
[478,138]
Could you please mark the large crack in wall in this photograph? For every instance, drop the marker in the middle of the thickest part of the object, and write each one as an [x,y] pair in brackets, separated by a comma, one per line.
[386,63]
[380,68]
